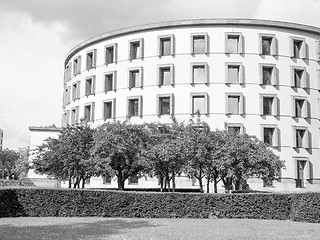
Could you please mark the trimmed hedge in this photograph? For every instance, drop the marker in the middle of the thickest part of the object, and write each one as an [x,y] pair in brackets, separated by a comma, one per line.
[35,202]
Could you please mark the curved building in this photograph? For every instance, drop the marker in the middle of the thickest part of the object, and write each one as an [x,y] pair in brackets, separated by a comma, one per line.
[253,76]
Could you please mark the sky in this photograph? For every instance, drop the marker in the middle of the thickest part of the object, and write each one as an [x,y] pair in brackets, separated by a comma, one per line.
[36,35]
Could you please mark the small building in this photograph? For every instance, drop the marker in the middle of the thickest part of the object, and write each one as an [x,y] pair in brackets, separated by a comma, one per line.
[37,137]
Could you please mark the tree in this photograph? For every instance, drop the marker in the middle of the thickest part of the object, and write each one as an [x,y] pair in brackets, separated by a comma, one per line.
[117,150]
[22,164]
[68,156]
[8,160]
[244,157]
[198,151]
[166,153]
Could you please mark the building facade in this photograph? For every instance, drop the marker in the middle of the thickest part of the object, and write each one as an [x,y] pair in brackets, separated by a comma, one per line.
[253,76]
[1,139]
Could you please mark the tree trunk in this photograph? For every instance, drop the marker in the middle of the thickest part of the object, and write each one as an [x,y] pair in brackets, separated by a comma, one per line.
[70,182]
[200,183]
[208,184]
[83,182]
[173,182]
[161,182]
[215,187]
[120,183]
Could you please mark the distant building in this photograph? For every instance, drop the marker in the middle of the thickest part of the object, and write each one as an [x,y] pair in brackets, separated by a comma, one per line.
[37,137]
[1,139]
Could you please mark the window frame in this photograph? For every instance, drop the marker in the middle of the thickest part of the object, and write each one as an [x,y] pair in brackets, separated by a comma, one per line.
[92,112]
[238,125]
[76,92]
[303,79]
[171,107]
[206,103]
[240,44]
[274,107]
[274,75]
[77,65]
[160,67]
[141,52]
[275,134]
[302,51]
[131,98]
[93,59]
[92,89]
[305,141]
[74,115]
[241,103]
[113,108]
[114,55]
[305,108]
[240,72]
[273,46]
[140,80]
[206,72]
[160,45]
[206,42]
[114,81]
[307,171]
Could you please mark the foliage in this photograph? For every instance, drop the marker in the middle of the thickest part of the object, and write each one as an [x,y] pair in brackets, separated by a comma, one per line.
[8,162]
[68,156]
[165,153]
[22,164]
[37,202]
[117,150]
[243,157]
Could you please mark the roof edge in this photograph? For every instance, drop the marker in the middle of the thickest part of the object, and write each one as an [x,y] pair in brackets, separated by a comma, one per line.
[190,22]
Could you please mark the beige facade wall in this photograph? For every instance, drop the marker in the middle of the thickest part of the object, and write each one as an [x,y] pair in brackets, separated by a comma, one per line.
[285,37]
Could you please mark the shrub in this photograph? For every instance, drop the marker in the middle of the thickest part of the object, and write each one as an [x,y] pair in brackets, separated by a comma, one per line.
[36,202]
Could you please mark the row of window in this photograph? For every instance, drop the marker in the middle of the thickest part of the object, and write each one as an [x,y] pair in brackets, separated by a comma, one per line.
[234,43]
[199,75]
[199,102]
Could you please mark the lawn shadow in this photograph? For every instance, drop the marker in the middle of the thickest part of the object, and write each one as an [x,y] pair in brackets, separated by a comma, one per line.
[82,230]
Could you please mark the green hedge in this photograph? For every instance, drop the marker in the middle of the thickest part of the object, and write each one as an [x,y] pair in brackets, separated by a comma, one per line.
[37,202]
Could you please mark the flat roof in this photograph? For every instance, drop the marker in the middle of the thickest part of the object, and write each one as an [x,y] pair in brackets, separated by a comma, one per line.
[45,129]
[190,22]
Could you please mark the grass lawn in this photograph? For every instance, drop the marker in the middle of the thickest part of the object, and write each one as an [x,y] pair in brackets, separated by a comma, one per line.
[90,228]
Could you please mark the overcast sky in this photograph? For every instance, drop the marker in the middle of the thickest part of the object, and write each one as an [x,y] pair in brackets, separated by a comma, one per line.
[36,35]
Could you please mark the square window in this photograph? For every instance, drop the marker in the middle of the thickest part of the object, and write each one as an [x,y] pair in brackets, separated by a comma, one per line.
[266,45]
[87,113]
[199,74]
[233,104]
[107,110]
[268,135]
[300,134]
[267,75]
[165,76]
[166,45]
[233,43]
[300,173]
[77,65]
[76,90]
[135,78]
[135,49]
[134,106]
[110,81]
[298,47]
[234,129]
[299,106]
[90,86]
[198,104]
[199,44]
[267,105]
[164,105]
[233,74]
[111,51]
[74,115]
